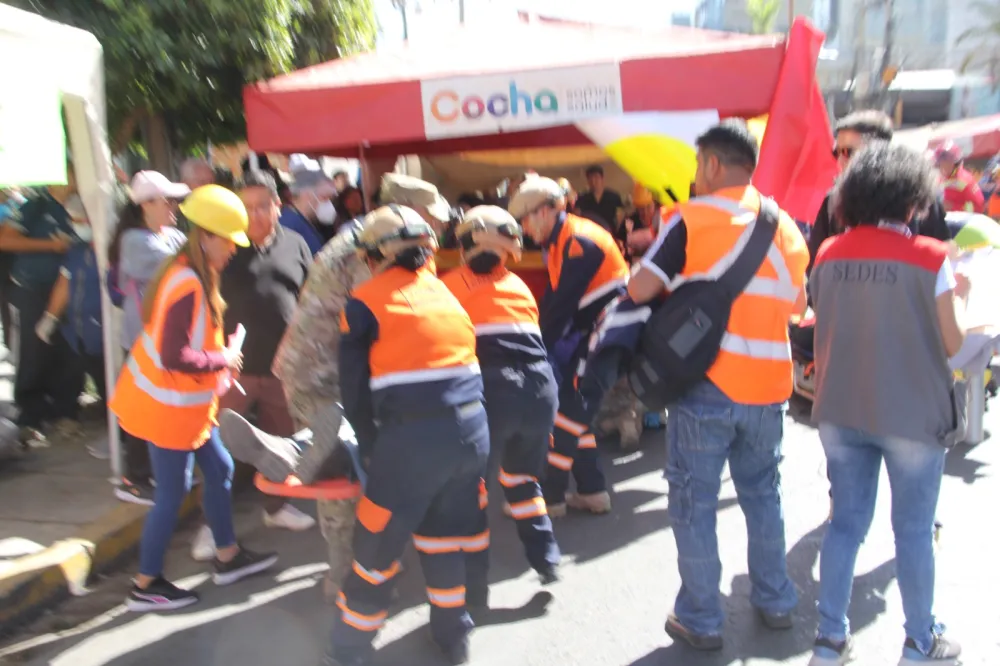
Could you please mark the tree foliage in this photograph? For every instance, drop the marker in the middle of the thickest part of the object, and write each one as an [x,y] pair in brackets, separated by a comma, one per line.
[763,14]
[188,60]
[984,37]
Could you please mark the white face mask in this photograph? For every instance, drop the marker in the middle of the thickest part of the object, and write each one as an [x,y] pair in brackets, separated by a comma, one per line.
[83,231]
[326,213]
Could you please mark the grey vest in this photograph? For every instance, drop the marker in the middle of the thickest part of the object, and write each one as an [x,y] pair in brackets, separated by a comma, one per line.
[881,365]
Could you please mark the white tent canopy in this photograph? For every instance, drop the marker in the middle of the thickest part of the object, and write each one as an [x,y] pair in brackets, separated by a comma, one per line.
[73,58]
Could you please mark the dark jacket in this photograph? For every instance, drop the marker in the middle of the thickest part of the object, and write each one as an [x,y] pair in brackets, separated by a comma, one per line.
[932,225]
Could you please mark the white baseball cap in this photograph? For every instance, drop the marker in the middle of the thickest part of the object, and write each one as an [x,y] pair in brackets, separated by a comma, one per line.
[149,185]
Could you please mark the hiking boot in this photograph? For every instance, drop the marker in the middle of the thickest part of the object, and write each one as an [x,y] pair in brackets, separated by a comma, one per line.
[557,510]
[700,642]
[274,457]
[593,503]
[246,563]
[943,652]
[830,653]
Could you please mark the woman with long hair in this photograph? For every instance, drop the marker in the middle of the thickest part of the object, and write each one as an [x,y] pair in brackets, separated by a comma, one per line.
[168,395]
[146,236]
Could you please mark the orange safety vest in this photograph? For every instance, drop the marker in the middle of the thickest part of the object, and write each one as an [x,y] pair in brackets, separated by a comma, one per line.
[499,303]
[614,270]
[171,409]
[754,365]
[424,335]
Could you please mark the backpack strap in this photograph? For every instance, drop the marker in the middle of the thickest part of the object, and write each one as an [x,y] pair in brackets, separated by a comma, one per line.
[738,275]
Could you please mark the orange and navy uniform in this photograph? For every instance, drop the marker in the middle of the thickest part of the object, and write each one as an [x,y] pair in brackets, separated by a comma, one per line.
[700,241]
[586,270]
[504,314]
[157,398]
[407,348]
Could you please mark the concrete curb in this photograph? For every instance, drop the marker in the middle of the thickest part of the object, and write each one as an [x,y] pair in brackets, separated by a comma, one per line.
[36,582]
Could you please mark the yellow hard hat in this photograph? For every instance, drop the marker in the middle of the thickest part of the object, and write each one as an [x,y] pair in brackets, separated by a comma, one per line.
[219,211]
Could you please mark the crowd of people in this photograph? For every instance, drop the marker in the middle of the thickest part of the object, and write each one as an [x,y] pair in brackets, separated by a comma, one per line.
[287,328]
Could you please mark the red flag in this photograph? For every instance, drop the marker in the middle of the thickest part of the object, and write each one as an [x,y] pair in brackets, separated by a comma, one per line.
[796,164]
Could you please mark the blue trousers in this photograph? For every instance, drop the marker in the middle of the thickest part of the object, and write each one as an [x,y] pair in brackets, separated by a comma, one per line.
[705,429]
[172,471]
[574,446]
[425,483]
[522,403]
[854,460]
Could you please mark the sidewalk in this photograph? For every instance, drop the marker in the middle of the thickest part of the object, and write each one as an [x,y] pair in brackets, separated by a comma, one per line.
[60,523]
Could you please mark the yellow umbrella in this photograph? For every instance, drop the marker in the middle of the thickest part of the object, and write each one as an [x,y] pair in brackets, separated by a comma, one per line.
[655,148]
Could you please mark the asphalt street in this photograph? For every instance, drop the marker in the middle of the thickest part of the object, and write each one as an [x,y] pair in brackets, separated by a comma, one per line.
[618,582]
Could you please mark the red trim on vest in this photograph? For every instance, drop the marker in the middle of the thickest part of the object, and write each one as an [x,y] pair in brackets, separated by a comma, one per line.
[871,243]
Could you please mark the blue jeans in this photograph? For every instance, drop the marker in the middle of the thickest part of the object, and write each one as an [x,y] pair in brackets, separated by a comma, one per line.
[854,460]
[705,429]
[172,471]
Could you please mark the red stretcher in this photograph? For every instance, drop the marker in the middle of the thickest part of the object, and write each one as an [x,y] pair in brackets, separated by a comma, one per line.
[328,489]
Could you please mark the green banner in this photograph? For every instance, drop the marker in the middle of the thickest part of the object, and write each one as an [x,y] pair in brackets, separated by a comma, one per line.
[32,137]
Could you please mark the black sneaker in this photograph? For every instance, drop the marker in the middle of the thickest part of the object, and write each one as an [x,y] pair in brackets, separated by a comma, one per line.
[700,642]
[549,575]
[775,621]
[160,595]
[246,563]
[137,492]
[943,652]
[828,653]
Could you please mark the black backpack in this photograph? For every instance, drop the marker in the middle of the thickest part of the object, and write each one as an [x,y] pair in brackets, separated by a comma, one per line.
[682,337]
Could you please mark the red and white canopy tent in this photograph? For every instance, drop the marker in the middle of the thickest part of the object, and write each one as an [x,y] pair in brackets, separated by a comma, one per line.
[978,138]
[529,84]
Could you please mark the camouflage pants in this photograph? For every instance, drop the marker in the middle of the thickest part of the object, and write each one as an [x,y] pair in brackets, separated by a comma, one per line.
[336,517]
[621,413]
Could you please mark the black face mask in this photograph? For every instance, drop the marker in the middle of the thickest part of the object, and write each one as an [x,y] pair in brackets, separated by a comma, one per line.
[484,263]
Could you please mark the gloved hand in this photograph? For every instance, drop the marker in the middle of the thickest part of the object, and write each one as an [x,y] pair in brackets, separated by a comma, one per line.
[46,326]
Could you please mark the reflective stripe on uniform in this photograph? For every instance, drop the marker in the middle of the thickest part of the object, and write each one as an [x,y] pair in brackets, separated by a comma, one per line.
[559,461]
[436,545]
[357,620]
[508,328]
[601,291]
[587,442]
[514,480]
[570,425]
[166,396]
[762,349]
[450,598]
[422,376]
[374,576]
[528,509]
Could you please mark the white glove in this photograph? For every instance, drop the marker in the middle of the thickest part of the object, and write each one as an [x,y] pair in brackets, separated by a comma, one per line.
[46,327]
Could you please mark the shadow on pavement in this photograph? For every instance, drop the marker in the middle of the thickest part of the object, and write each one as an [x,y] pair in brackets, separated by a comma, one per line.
[746,639]
[958,464]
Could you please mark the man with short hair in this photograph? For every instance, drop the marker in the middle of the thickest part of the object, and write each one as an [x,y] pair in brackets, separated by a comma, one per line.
[736,414]
[312,205]
[599,203]
[852,132]
[197,172]
[261,288]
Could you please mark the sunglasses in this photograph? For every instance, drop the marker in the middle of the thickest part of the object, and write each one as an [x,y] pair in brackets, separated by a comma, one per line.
[846,152]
